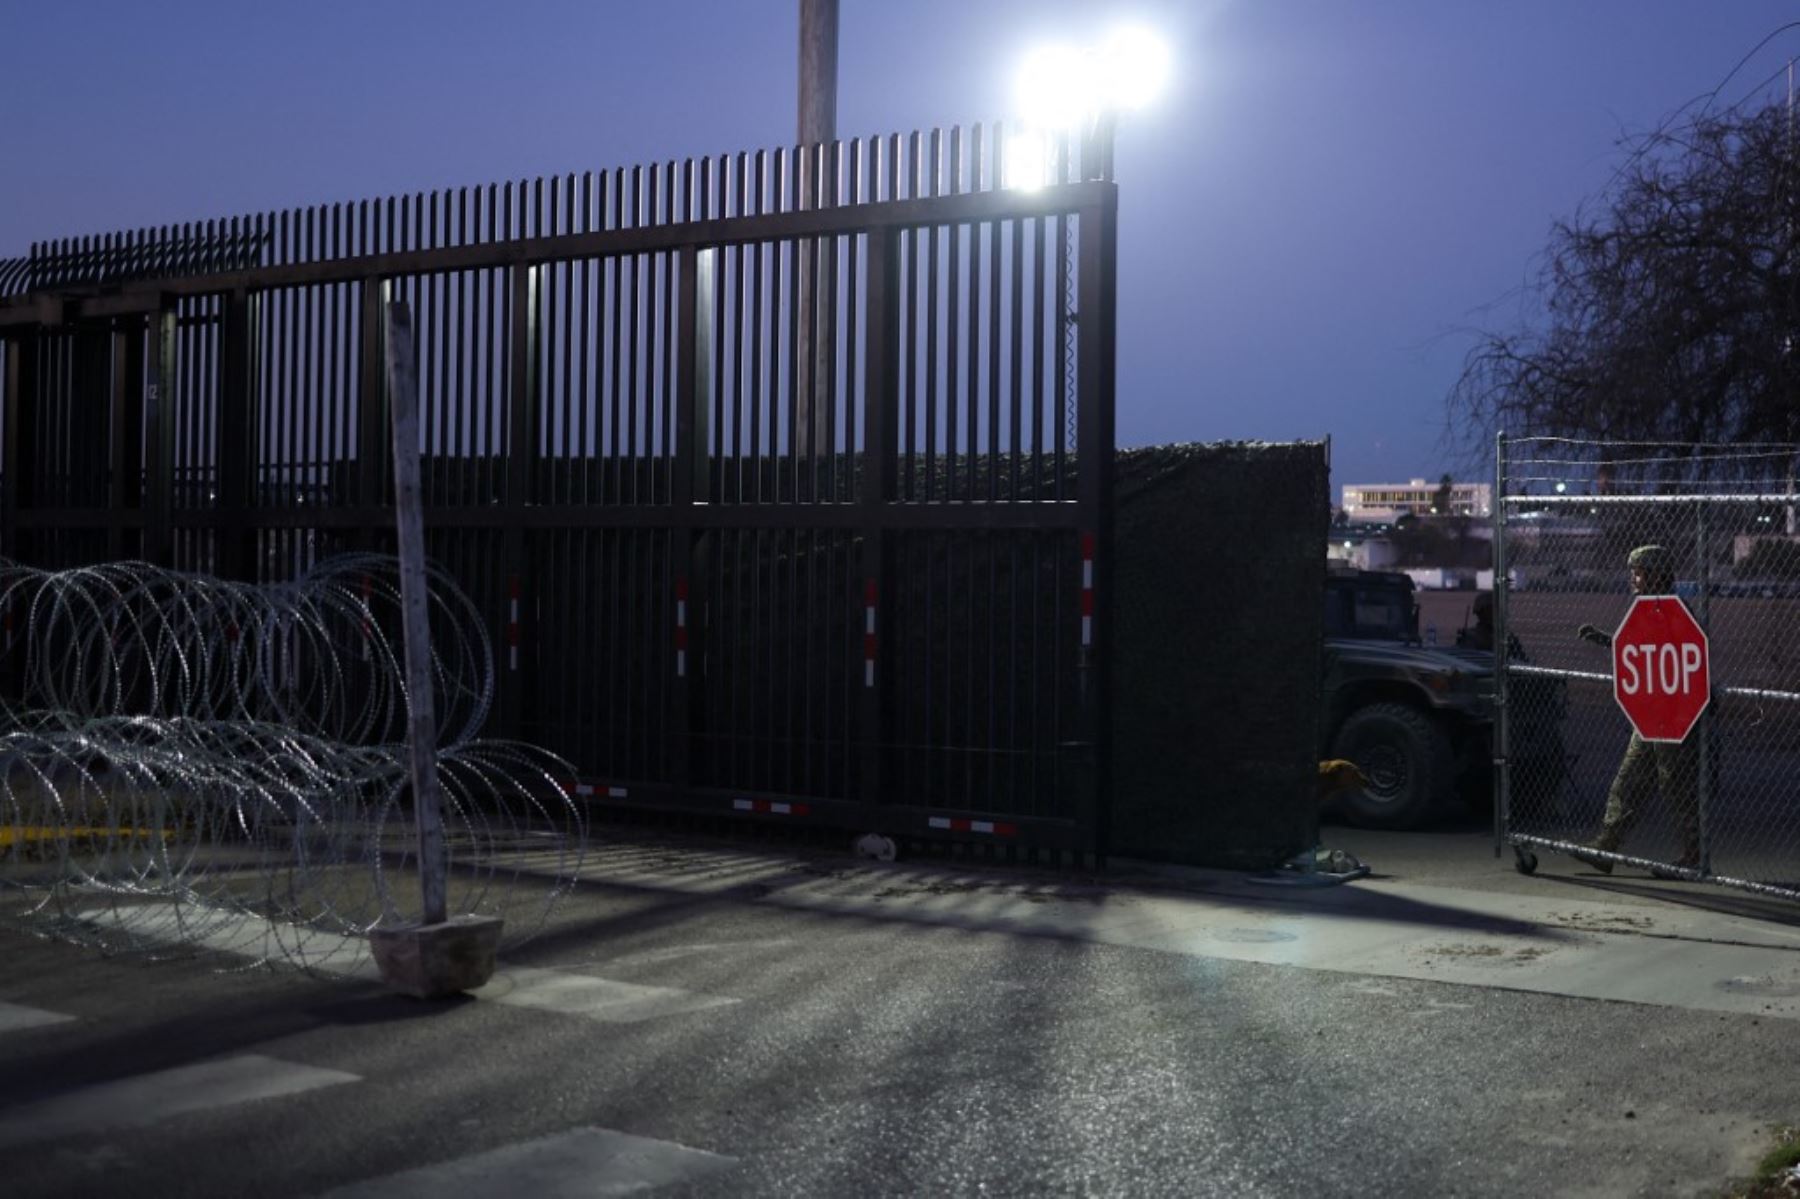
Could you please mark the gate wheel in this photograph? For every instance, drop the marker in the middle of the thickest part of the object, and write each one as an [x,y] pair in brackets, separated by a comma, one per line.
[877,846]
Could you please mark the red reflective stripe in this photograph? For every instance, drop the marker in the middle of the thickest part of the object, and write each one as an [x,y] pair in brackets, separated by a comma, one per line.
[868,647]
[1087,545]
[1087,603]
[869,593]
[680,587]
[512,586]
[680,637]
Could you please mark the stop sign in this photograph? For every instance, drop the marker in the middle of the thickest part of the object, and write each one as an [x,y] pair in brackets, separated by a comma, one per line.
[1661,668]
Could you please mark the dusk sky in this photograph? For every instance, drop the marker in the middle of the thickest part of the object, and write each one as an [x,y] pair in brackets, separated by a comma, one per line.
[1329,197]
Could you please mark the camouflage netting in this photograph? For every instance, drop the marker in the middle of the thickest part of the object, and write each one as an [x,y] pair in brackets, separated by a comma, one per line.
[1219,627]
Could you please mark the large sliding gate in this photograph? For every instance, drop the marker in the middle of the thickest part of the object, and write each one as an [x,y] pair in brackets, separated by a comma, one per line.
[784,479]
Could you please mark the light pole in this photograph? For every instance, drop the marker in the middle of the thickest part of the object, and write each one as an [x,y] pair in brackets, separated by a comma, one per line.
[817,127]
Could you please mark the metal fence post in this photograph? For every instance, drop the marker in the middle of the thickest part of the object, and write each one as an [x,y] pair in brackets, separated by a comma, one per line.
[238,498]
[16,388]
[18,397]
[126,427]
[371,417]
[403,401]
[159,438]
[878,479]
[1502,771]
[697,285]
[521,457]
[1096,345]
[1703,784]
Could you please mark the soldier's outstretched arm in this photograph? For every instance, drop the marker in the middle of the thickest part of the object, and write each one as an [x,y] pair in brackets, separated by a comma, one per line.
[1599,637]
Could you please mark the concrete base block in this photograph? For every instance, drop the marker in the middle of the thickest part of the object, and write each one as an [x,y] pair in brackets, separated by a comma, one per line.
[430,961]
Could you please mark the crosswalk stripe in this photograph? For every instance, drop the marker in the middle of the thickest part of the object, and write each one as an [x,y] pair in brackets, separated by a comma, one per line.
[147,1099]
[517,986]
[596,998]
[578,1164]
[16,1016]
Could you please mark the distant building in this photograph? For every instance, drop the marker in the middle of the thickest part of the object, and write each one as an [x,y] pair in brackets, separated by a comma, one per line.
[1419,497]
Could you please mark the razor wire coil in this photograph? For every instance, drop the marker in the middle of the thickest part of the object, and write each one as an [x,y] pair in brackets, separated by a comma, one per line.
[188,762]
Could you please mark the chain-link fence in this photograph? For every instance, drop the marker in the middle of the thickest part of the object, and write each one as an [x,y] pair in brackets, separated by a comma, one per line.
[1720,802]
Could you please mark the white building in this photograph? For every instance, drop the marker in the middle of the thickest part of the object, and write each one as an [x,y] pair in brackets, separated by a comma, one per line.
[1419,497]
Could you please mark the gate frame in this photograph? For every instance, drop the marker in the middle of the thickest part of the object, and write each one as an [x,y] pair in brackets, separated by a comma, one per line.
[144,305]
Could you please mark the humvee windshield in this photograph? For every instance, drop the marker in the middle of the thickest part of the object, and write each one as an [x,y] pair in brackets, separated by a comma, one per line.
[1371,611]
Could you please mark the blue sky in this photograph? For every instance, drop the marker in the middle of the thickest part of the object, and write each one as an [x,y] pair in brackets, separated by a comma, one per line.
[1329,197]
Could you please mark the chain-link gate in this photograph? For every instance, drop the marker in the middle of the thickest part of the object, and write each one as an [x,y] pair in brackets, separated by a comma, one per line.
[1571,521]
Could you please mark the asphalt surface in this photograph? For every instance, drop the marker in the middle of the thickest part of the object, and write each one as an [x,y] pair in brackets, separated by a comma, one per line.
[879,1043]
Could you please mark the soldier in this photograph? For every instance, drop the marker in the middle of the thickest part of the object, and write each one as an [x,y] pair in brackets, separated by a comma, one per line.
[1649,766]
[1480,635]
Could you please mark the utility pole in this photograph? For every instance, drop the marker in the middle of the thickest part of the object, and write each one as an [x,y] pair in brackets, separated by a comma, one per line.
[818,71]
[817,126]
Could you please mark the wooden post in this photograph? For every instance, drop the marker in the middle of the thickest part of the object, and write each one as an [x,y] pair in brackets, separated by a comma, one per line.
[421,729]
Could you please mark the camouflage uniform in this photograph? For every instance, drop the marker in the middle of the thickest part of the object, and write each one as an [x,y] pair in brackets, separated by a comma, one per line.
[1649,767]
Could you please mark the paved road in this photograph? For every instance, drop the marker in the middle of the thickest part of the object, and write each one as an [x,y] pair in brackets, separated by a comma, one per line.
[727,1022]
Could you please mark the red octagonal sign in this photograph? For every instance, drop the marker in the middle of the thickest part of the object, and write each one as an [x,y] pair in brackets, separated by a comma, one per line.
[1661,668]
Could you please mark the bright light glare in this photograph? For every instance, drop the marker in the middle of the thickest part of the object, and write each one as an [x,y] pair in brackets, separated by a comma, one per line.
[1027,161]
[1060,86]
[1132,67]
[1055,87]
